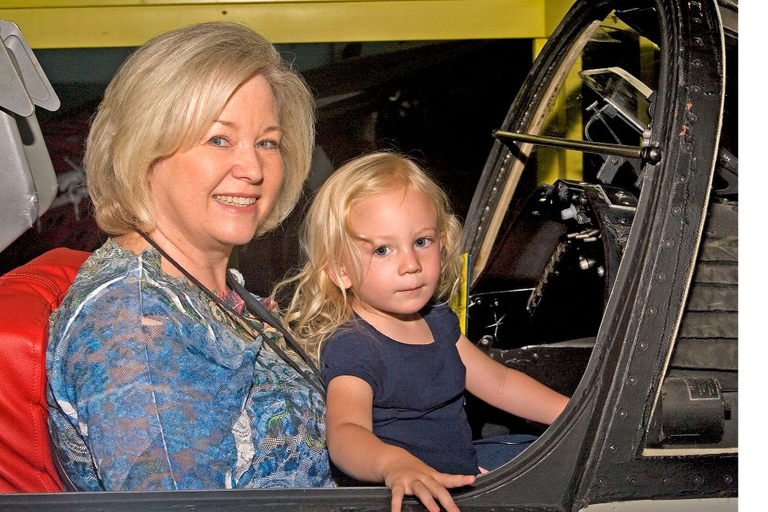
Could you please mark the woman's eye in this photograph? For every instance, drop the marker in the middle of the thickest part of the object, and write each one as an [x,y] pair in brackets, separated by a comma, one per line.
[381,251]
[422,242]
[218,141]
[268,144]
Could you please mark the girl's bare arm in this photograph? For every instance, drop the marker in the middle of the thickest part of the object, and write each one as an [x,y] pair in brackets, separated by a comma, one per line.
[358,452]
[509,389]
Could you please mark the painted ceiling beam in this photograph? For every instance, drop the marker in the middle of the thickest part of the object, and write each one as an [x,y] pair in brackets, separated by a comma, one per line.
[120,23]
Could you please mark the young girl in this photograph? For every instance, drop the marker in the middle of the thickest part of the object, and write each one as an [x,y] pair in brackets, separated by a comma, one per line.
[382,250]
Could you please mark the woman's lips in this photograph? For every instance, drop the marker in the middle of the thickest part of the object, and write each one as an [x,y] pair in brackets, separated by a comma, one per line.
[235,200]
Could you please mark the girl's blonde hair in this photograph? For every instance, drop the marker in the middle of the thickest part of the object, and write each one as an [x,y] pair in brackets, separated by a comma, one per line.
[165,97]
[318,307]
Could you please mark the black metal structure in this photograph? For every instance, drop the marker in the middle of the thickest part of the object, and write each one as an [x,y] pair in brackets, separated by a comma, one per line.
[601,450]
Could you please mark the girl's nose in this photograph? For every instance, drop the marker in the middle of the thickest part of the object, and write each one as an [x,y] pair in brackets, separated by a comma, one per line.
[410,264]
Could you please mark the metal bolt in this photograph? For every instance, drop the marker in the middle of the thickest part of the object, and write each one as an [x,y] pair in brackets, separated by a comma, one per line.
[697,479]
[586,263]
[652,311]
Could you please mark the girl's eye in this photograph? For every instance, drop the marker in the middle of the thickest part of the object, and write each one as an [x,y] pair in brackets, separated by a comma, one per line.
[422,242]
[218,141]
[381,251]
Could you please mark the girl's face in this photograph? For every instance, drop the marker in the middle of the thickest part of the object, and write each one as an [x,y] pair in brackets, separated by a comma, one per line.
[397,236]
[216,194]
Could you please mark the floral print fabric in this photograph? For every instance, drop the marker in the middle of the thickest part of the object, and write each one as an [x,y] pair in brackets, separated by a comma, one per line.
[152,386]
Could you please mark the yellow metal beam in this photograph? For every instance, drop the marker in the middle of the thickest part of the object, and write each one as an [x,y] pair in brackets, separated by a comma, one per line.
[554,10]
[115,23]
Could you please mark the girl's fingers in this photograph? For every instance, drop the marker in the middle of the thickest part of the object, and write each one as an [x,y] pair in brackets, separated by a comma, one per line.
[427,496]
[427,485]
[429,491]
[444,497]
[453,481]
[398,493]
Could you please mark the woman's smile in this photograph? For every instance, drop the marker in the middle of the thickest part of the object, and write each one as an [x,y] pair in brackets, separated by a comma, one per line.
[235,200]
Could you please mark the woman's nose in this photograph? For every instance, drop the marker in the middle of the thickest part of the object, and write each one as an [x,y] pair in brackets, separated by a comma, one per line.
[248,165]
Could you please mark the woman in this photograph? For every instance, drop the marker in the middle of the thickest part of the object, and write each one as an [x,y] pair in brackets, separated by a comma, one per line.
[202,141]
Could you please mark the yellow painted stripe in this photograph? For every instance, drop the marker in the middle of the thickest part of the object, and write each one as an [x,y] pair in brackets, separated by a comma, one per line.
[94,24]
[459,303]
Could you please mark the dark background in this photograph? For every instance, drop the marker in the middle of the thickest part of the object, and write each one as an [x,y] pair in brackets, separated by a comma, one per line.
[435,101]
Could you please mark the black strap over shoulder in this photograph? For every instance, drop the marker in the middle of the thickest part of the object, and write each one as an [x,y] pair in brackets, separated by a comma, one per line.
[259,311]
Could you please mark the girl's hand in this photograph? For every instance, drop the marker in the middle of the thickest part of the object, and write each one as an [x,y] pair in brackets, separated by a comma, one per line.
[360,454]
[408,475]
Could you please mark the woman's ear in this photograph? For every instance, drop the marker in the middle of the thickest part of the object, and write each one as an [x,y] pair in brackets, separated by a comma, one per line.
[339,276]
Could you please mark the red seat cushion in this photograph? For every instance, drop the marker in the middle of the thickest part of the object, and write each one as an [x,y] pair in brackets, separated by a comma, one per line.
[28,295]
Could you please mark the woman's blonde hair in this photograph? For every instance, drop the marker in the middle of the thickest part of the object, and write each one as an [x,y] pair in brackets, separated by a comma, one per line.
[318,307]
[165,97]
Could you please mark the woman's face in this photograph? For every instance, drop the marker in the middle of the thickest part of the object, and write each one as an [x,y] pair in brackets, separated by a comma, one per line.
[216,194]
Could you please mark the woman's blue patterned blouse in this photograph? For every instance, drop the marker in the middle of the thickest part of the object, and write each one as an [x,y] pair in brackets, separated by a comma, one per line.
[152,386]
